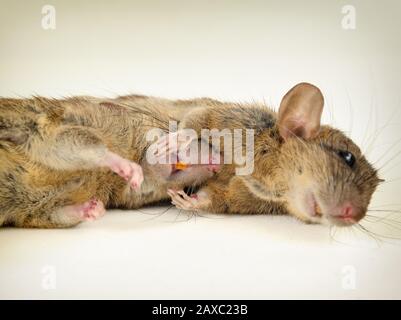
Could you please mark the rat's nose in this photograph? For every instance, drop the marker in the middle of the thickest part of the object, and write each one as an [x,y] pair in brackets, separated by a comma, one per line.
[349,213]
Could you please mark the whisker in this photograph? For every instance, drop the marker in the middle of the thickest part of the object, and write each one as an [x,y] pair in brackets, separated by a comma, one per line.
[374,219]
[369,233]
[386,205]
[385,210]
[376,235]
[157,215]
[379,131]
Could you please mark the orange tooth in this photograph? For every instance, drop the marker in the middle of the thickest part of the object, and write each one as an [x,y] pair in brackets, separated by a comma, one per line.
[181,166]
[318,210]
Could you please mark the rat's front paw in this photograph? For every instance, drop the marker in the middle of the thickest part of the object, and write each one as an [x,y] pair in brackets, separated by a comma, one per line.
[172,144]
[130,171]
[183,201]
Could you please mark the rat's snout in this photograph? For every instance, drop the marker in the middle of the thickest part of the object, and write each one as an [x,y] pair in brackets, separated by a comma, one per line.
[347,211]
[319,206]
[346,214]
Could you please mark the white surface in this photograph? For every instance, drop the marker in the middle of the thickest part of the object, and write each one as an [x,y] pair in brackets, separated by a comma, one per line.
[233,50]
[143,255]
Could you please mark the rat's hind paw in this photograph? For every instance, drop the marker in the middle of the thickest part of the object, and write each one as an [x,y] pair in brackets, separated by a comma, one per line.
[182,201]
[91,210]
[87,211]
[130,171]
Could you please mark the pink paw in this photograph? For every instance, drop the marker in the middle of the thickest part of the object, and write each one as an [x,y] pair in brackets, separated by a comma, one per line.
[199,201]
[173,143]
[87,211]
[182,201]
[126,169]
[91,210]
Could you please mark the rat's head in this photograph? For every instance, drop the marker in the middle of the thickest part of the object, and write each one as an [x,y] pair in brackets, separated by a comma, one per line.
[328,178]
[325,176]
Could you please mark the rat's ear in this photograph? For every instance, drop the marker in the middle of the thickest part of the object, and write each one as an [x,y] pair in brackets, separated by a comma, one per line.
[300,112]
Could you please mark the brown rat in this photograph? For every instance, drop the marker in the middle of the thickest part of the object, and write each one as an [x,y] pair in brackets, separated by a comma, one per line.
[58,159]
[312,172]
[65,161]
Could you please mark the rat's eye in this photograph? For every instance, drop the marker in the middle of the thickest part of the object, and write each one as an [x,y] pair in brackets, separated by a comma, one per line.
[348,157]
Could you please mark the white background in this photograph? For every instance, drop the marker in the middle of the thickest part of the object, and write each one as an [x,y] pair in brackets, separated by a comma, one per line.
[231,50]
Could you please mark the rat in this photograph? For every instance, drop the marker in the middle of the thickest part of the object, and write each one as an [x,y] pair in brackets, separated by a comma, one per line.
[65,161]
[310,171]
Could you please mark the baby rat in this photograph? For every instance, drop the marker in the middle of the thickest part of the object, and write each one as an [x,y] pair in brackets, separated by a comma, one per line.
[64,161]
[304,169]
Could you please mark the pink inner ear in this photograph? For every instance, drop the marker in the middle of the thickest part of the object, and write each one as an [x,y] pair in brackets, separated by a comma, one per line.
[299,128]
[293,128]
[300,112]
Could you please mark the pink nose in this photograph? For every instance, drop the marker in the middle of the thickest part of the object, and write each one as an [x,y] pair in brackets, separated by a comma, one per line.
[348,213]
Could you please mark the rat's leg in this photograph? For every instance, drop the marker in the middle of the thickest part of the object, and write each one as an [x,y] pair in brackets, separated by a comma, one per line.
[72,148]
[125,168]
[64,217]
[27,205]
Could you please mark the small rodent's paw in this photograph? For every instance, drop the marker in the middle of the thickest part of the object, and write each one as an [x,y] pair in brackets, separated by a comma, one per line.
[92,210]
[182,201]
[172,143]
[87,211]
[130,171]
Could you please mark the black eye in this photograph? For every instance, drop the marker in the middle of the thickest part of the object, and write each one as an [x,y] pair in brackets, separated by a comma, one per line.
[348,157]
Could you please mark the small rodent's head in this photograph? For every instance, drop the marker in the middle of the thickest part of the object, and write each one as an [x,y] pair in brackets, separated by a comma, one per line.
[323,174]
[328,178]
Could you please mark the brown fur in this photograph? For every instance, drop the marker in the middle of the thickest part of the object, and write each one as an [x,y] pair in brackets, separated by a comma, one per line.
[41,169]
[49,149]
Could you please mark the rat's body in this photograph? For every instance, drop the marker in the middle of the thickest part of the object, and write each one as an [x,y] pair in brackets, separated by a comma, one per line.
[58,157]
